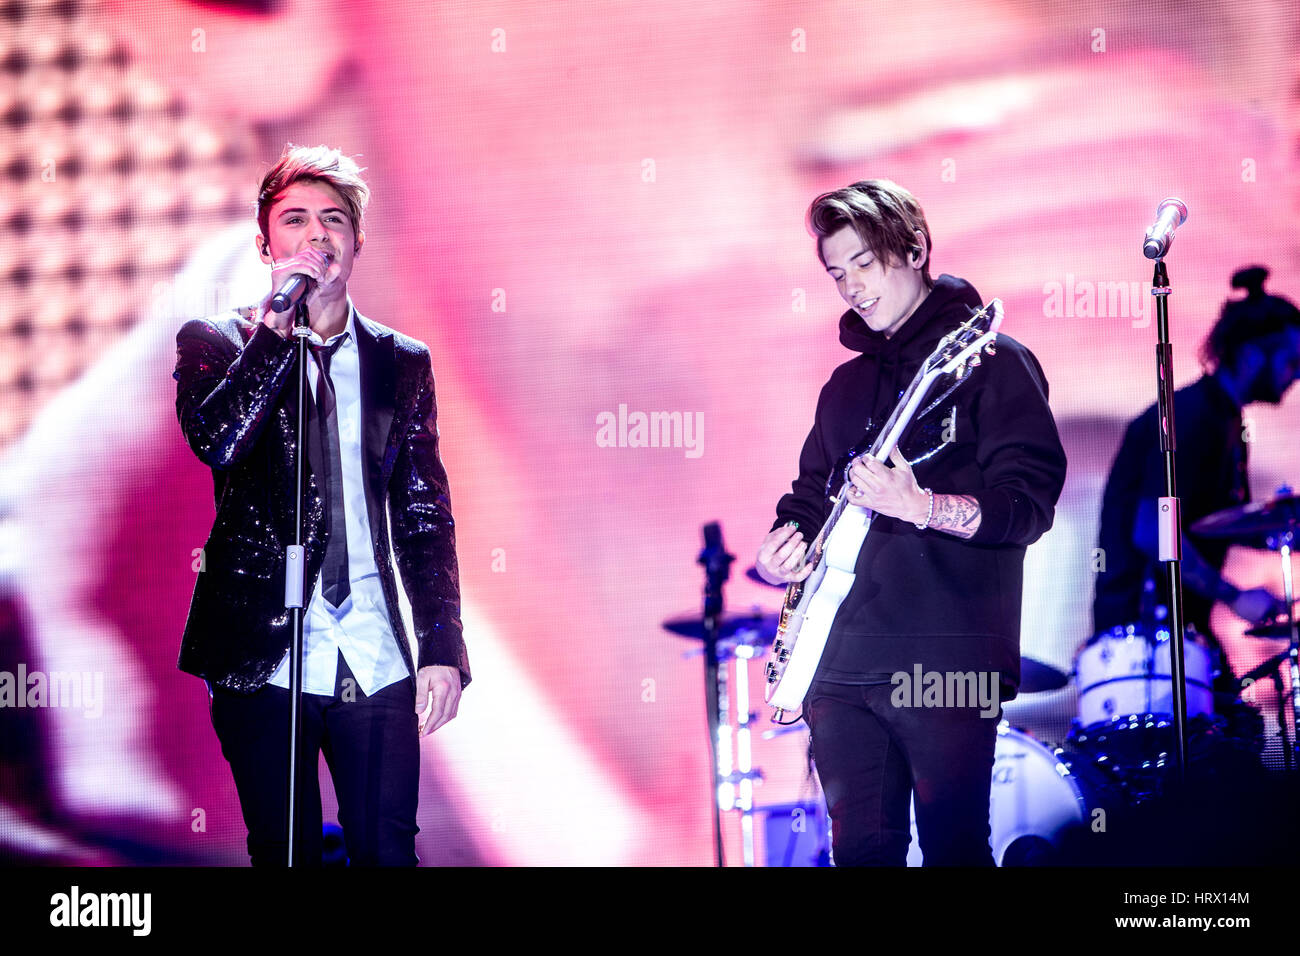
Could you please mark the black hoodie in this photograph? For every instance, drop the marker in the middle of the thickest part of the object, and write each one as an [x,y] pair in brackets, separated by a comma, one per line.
[928,597]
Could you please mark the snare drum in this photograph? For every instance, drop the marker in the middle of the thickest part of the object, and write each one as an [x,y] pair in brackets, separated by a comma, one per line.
[1033,798]
[1121,672]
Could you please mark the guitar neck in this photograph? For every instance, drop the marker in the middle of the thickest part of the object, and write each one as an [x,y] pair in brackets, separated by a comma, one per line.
[917,391]
[884,444]
[907,405]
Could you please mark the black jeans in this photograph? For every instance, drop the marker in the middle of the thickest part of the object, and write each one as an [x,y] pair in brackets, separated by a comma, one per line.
[871,758]
[371,745]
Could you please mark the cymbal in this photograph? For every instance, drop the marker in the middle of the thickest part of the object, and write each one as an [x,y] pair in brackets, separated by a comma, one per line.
[754,627]
[1035,676]
[1253,524]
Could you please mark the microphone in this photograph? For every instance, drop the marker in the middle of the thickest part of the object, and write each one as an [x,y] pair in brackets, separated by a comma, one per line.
[290,293]
[293,290]
[1170,214]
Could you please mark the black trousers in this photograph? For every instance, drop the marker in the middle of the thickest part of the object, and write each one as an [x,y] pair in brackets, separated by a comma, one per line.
[371,745]
[872,757]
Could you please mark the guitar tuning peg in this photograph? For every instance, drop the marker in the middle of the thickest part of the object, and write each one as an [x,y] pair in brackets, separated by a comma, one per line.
[975,360]
[990,350]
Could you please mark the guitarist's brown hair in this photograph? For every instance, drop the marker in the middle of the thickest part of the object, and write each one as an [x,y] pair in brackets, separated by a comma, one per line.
[885,216]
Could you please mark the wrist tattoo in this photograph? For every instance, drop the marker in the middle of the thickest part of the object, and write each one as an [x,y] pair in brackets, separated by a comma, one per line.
[958,515]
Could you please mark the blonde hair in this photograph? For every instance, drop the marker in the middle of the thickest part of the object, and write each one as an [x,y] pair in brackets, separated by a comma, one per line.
[321,164]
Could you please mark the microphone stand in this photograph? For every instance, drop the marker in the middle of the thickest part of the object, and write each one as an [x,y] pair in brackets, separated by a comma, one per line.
[717,568]
[1169,518]
[295,580]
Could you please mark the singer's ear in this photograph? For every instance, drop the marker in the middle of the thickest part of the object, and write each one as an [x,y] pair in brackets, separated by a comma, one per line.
[361,239]
[263,249]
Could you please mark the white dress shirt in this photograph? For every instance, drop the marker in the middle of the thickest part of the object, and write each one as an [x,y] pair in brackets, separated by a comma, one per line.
[360,628]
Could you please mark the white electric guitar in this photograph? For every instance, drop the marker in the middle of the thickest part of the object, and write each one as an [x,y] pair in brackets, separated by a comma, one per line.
[811,605]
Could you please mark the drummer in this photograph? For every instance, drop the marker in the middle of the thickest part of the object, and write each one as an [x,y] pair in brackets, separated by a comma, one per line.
[1251,355]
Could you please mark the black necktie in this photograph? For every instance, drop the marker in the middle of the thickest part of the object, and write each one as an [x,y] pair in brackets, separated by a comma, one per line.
[329,469]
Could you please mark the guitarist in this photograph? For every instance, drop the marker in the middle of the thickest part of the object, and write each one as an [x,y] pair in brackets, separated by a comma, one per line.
[938,580]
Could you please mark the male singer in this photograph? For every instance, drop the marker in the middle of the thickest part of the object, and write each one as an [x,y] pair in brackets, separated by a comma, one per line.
[372,457]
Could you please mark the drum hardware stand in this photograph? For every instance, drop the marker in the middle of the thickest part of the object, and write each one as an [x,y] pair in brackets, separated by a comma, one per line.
[728,637]
[736,773]
[1272,668]
[1271,525]
[1168,517]
[1282,543]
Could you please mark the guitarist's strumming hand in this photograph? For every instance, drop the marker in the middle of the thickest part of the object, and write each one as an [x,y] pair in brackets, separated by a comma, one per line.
[895,492]
[781,556]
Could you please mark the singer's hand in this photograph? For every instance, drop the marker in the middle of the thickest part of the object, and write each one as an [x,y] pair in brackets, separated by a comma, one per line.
[310,262]
[279,322]
[437,690]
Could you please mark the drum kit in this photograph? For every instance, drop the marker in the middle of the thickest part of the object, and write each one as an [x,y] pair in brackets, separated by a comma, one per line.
[1120,744]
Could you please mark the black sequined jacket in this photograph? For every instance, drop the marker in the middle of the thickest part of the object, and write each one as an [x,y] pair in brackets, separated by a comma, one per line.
[237,402]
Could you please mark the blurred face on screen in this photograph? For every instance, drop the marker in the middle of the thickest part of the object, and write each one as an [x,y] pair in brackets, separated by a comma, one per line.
[593,205]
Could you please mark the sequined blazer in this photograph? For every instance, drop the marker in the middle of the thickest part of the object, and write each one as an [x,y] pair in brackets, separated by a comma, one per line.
[236,398]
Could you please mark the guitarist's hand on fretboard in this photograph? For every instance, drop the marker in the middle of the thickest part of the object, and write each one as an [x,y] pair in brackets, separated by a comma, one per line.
[781,556]
[895,492]
[888,491]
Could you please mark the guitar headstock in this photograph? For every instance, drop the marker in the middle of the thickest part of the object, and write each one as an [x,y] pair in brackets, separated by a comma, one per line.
[960,350]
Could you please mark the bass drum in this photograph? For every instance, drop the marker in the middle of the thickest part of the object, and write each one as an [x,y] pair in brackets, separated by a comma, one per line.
[1121,672]
[1034,797]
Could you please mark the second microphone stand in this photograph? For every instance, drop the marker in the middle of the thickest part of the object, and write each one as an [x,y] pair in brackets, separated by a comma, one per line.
[1169,520]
